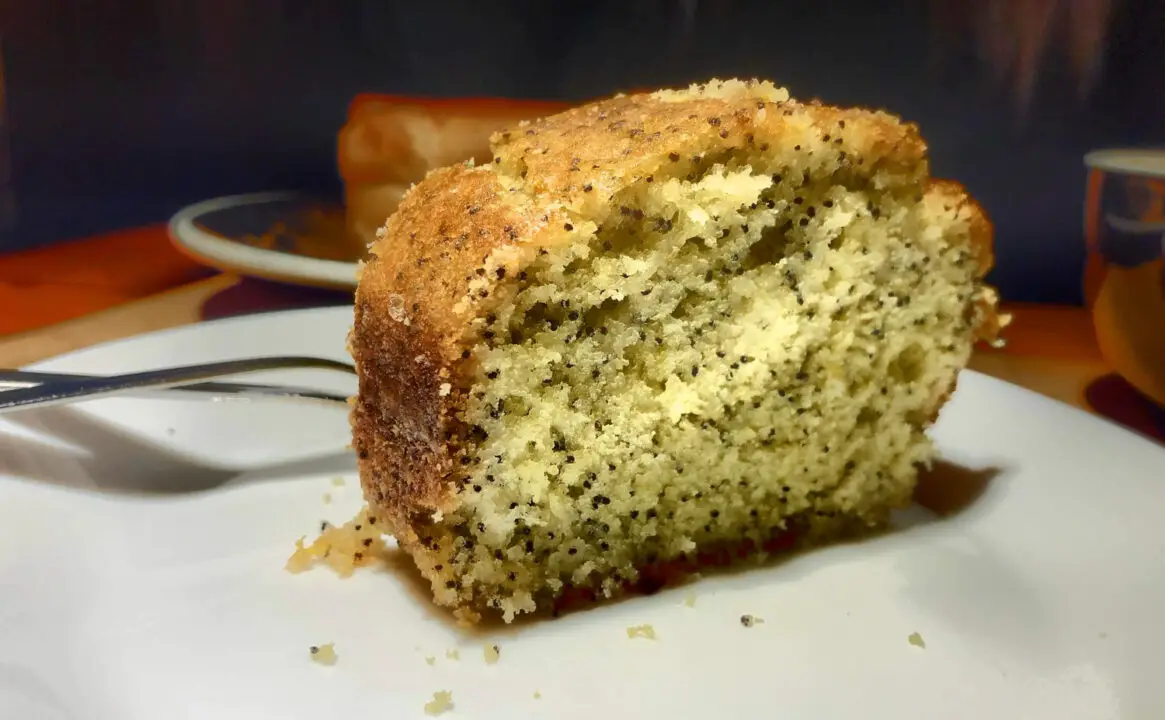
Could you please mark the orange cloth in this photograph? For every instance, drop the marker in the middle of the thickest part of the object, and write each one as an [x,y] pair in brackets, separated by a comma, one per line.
[1060,331]
[49,285]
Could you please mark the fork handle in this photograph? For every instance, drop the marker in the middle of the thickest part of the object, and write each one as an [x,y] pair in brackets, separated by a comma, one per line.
[78,387]
[12,379]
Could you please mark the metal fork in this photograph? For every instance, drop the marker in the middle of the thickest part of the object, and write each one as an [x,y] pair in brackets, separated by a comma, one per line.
[39,389]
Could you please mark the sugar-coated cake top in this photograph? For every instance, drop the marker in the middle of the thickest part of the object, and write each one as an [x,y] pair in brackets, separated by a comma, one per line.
[654,324]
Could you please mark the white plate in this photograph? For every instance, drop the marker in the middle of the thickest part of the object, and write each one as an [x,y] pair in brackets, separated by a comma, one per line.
[1043,598]
[215,232]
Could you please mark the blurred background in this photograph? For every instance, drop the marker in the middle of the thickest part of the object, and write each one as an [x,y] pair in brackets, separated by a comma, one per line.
[116,114]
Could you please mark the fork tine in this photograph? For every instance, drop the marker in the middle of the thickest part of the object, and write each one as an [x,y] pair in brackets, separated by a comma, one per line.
[88,387]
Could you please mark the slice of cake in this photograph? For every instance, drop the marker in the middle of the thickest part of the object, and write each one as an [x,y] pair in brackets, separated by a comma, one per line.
[654,328]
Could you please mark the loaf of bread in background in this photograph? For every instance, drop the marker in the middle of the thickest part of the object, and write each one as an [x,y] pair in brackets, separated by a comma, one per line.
[389,143]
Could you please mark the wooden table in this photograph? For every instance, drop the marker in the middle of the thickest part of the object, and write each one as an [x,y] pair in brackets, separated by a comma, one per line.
[91,291]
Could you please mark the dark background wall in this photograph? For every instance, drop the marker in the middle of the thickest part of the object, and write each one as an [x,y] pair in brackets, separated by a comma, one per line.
[118,113]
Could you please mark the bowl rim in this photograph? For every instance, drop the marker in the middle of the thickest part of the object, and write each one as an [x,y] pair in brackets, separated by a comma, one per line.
[1117,160]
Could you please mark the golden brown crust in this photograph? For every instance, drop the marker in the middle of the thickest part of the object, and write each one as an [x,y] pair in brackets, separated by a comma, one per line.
[464,233]
[609,145]
[987,323]
[955,196]
[406,340]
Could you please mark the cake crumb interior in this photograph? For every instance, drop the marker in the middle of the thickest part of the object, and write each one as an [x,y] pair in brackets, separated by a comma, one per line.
[741,345]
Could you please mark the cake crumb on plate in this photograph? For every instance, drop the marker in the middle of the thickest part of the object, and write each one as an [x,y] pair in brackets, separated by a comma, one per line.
[453,654]
[323,654]
[442,702]
[431,660]
[690,599]
[750,620]
[338,481]
[646,632]
[355,544]
[492,654]
[916,640]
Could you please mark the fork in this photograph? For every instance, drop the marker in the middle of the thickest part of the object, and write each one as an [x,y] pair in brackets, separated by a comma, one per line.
[41,389]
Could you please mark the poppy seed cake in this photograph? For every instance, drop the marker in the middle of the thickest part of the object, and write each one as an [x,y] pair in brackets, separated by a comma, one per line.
[656,326]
